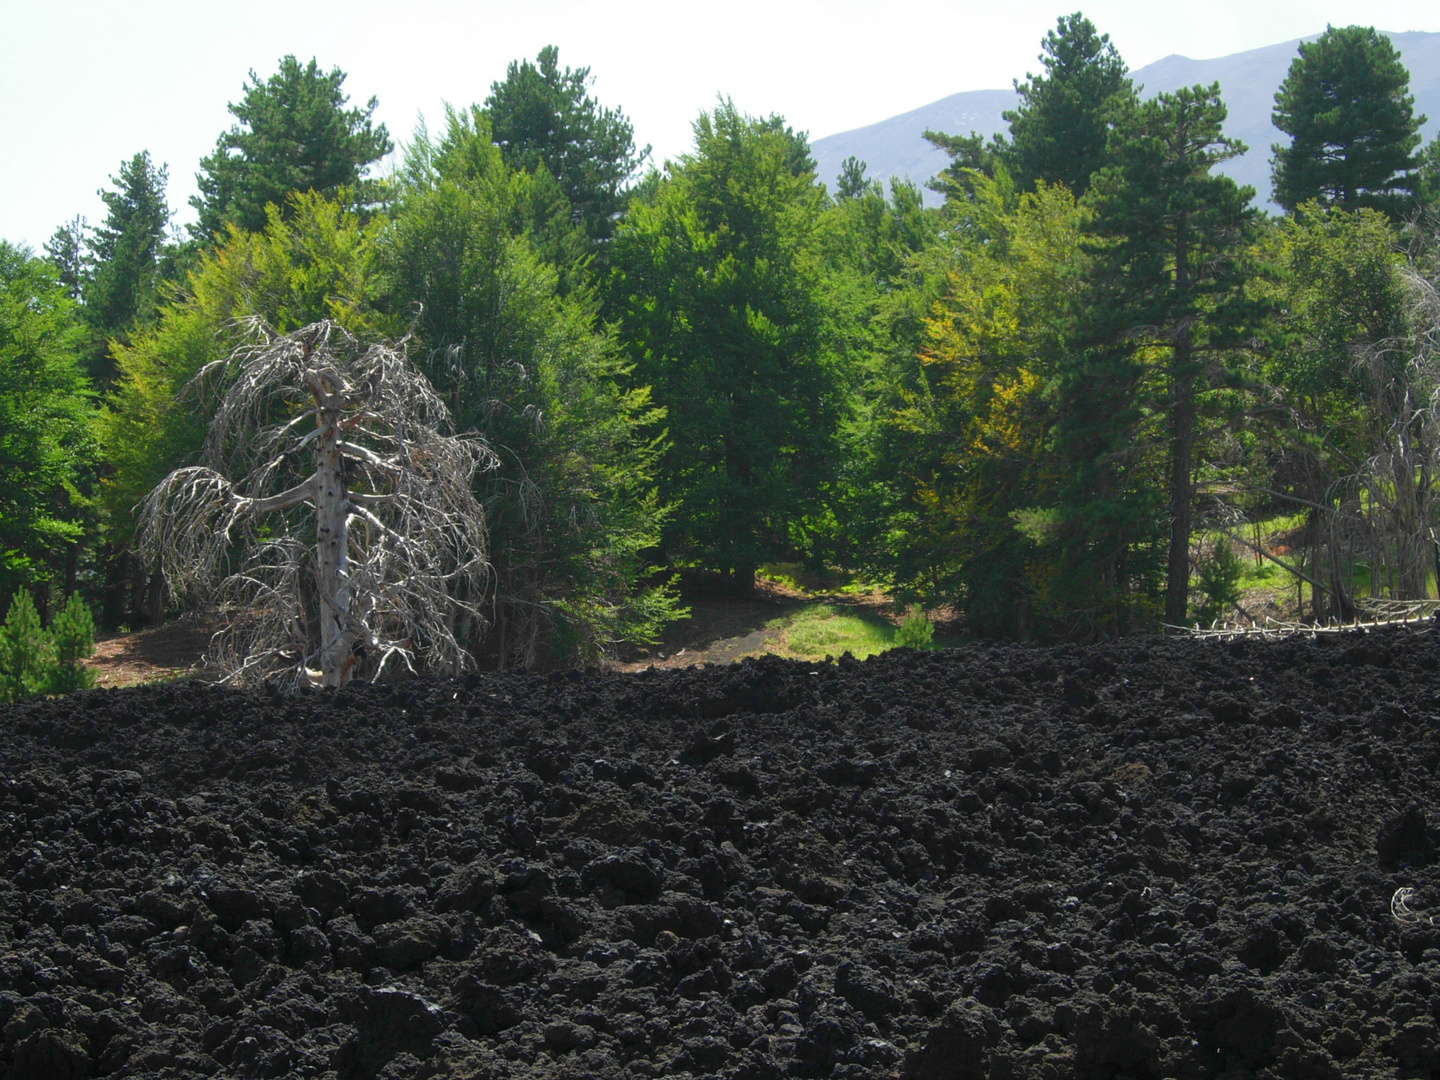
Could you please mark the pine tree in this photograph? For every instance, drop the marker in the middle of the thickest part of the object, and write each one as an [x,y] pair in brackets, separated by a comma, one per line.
[1058,133]
[27,653]
[294,134]
[121,289]
[541,116]
[66,248]
[1167,309]
[1347,108]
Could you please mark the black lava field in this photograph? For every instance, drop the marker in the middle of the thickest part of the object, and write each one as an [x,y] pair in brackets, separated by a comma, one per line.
[1158,858]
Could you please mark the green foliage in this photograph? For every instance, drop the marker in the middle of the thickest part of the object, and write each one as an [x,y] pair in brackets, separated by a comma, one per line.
[964,444]
[915,630]
[36,661]
[27,652]
[718,293]
[1346,105]
[46,454]
[1163,329]
[122,288]
[1427,176]
[571,508]
[1342,291]
[1218,576]
[73,634]
[293,135]
[1058,134]
[314,262]
[1338,282]
[544,118]
[66,249]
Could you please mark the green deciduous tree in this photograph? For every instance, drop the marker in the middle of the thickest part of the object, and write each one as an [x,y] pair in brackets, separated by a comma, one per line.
[541,116]
[46,453]
[1342,289]
[972,435]
[293,134]
[571,504]
[316,263]
[1347,108]
[718,293]
[878,295]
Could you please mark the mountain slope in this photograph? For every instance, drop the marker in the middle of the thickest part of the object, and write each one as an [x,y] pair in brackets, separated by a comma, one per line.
[1248,80]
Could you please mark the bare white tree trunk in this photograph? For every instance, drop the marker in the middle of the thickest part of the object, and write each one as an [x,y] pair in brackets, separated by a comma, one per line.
[393,541]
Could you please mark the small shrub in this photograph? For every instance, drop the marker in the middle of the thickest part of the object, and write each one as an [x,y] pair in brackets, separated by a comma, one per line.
[27,652]
[915,630]
[74,635]
[1218,575]
[34,660]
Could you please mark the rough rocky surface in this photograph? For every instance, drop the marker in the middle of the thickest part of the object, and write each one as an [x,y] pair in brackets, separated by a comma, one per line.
[1162,858]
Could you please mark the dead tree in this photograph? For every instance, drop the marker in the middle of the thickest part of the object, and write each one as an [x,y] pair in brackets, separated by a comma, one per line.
[1388,507]
[340,551]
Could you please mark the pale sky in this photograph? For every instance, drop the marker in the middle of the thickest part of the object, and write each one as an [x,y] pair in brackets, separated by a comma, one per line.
[85,84]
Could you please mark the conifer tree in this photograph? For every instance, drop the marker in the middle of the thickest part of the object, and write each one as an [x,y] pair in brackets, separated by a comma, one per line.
[293,134]
[1347,107]
[121,288]
[1165,315]
[1058,133]
[541,116]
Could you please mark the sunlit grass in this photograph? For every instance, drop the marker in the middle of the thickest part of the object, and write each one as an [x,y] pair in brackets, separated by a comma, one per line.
[795,576]
[819,630]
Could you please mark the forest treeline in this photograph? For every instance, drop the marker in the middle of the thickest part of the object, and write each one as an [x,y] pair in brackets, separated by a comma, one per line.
[1056,403]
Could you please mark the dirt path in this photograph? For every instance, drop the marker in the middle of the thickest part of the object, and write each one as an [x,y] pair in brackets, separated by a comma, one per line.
[164,652]
[719,631]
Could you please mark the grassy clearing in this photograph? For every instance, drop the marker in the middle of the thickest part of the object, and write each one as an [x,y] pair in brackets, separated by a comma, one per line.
[818,630]
[815,631]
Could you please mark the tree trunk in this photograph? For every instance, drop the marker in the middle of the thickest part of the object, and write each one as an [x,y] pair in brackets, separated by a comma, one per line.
[1182,454]
[332,512]
[155,598]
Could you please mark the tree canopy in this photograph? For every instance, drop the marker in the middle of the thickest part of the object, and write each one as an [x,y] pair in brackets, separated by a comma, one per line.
[45,403]
[718,294]
[541,116]
[1346,106]
[293,133]
[1059,131]
[1056,406]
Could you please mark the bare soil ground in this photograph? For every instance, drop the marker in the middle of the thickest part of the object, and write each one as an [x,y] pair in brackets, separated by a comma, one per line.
[162,652]
[720,630]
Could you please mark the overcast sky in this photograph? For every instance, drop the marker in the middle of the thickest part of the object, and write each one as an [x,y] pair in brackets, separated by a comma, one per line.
[85,84]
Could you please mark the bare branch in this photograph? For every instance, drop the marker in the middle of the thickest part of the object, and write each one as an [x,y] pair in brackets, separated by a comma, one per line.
[307,596]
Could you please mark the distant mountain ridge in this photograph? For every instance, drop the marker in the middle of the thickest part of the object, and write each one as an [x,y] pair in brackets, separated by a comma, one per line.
[1248,81]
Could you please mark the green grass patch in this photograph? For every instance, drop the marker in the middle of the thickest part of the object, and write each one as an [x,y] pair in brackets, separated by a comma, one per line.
[819,630]
[795,576]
